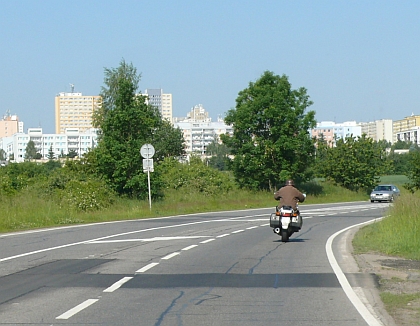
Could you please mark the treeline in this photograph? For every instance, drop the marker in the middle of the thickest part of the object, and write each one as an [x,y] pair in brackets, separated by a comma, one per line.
[270,143]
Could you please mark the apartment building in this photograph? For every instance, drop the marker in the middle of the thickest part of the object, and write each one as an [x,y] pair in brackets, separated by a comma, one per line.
[62,143]
[410,135]
[74,110]
[331,131]
[379,130]
[161,100]
[199,131]
[405,129]
[9,125]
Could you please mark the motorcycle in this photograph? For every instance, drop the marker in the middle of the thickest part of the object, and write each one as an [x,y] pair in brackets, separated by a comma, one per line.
[286,221]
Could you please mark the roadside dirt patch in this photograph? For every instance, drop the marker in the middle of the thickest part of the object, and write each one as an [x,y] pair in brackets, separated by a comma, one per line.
[397,276]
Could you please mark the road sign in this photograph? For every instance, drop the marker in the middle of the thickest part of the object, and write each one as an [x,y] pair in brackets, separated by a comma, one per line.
[147,151]
[148,165]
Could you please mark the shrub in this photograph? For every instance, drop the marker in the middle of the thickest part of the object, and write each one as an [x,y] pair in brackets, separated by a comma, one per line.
[85,195]
[195,177]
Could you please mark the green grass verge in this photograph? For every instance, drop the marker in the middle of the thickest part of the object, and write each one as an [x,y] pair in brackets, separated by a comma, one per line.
[26,210]
[398,234]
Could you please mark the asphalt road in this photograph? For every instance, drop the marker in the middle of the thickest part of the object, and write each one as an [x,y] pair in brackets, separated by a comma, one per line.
[225,268]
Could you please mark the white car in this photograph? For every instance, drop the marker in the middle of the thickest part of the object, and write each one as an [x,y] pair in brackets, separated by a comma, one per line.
[384,192]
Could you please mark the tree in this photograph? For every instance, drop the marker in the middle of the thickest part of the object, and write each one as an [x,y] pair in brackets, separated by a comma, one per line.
[322,147]
[51,155]
[413,172]
[127,122]
[401,144]
[219,156]
[271,141]
[71,154]
[355,164]
[31,151]
[3,155]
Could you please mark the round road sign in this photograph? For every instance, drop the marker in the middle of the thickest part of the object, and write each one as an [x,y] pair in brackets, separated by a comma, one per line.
[147,151]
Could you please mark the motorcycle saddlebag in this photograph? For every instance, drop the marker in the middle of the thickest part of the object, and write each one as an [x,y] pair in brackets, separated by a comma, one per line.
[296,223]
[274,220]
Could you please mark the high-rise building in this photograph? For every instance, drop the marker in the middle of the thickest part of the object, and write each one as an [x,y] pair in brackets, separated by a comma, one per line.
[10,125]
[162,101]
[199,131]
[378,130]
[74,110]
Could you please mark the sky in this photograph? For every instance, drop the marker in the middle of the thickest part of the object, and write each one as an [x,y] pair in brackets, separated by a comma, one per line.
[358,59]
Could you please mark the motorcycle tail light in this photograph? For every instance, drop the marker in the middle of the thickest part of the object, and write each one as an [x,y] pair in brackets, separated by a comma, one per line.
[287,214]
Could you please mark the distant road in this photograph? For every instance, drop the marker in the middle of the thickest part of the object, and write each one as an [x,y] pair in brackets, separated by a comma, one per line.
[225,268]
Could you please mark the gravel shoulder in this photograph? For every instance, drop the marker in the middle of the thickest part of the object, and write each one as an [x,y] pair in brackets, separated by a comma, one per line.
[396,276]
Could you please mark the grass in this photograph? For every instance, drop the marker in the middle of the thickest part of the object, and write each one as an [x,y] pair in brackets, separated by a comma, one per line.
[27,210]
[396,235]
[393,302]
[398,180]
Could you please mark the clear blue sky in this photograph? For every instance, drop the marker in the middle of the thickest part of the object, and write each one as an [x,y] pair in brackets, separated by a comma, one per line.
[359,60]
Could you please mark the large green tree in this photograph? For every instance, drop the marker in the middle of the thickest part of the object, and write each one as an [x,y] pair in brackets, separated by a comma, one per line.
[127,122]
[271,141]
[31,151]
[355,163]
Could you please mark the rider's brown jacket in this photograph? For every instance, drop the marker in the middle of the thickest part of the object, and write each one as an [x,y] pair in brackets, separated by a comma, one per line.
[289,196]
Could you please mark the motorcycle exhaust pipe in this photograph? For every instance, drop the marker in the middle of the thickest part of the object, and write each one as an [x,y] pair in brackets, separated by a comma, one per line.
[277,230]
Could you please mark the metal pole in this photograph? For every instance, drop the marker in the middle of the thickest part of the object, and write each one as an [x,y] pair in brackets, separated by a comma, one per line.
[148,182]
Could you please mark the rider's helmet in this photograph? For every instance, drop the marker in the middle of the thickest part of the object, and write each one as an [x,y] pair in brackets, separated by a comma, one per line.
[290,182]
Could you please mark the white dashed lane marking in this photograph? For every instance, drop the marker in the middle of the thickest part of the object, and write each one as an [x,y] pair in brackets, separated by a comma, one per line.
[206,241]
[146,268]
[171,255]
[77,309]
[189,247]
[118,284]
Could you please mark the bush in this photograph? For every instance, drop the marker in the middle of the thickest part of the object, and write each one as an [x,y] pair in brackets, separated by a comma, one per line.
[195,177]
[85,195]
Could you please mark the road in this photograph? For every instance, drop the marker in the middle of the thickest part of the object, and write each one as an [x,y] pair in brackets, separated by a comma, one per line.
[225,268]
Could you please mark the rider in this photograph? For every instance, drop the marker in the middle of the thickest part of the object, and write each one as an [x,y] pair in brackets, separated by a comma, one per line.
[289,195]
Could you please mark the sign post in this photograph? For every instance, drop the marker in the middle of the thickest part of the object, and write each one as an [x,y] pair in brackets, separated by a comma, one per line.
[147,151]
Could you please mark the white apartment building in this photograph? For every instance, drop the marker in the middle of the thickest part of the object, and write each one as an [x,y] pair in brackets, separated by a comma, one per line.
[74,110]
[332,131]
[409,135]
[199,131]
[71,140]
[379,130]
[162,101]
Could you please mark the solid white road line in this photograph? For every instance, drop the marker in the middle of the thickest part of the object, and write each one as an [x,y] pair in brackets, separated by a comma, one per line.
[189,247]
[206,241]
[147,267]
[150,239]
[354,299]
[118,284]
[171,255]
[77,309]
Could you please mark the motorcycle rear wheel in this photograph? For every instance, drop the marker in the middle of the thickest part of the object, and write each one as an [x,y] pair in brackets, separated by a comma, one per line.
[284,235]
